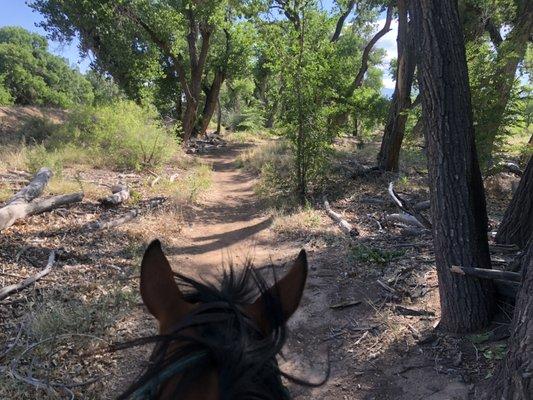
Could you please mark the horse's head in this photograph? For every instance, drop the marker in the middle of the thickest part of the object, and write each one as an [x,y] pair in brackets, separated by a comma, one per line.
[216,342]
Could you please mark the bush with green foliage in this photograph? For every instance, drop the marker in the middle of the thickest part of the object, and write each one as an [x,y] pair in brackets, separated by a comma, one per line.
[34,76]
[5,97]
[119,136]
[122,135]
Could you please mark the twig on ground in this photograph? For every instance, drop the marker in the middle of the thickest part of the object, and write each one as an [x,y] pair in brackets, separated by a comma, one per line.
[9,290]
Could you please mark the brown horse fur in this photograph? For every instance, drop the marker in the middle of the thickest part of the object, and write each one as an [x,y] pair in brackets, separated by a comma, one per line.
[241,336]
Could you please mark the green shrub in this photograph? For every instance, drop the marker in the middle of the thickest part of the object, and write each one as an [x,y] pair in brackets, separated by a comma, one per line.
[250,119]
[370,254]
[5,97]
[122,135]
[39,156]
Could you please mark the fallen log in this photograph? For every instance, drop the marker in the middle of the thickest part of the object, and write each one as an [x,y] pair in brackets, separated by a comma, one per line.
[406,208]
[9,290]
[34,189]
[404,218]
[120,193]
[11,213]
[344,225]
[484,273]
[423,205]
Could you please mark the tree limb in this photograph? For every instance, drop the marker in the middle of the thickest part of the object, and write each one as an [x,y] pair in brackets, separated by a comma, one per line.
[34,189]
[9,290]
[405,207]
[13,212]
[487,273]
[358,81]
[344,225]
[340,22]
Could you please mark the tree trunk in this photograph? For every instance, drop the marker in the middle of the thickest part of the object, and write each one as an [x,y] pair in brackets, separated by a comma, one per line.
[389,154]
[211,101]
[458,207]
[219,116]
[514,379]
[517,223]
[189,119]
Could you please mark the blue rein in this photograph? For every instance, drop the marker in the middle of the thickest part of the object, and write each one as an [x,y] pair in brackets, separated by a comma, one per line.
[150,387]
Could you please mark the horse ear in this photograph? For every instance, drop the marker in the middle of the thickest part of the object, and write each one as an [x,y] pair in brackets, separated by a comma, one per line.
[288,290]
[159,291]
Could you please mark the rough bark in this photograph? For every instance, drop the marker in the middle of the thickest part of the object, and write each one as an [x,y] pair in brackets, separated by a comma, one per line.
[211,101]
[389,154]
[34,189]
[219,116]
[517,223]
[458,207]
[514,379]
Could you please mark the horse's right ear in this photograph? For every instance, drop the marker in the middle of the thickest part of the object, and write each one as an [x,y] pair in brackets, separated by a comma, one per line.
[159,290]
[288,291]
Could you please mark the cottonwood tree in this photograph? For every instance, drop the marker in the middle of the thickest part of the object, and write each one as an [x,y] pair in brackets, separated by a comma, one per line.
[185,49]
[493,63]
[517,224]
[389,154]
[514,377]
[31,75]
[318,84]
[458,208]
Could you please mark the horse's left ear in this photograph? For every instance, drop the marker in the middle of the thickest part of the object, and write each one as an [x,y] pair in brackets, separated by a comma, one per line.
[288,290]
[159,290]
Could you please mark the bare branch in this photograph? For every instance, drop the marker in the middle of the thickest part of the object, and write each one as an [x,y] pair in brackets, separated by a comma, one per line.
[9,290]
[358,81]
[340,22]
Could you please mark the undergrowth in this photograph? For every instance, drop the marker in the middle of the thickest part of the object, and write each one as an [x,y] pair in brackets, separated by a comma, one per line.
[121,136]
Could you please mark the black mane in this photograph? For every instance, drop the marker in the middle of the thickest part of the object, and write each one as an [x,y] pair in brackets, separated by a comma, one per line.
[243,356]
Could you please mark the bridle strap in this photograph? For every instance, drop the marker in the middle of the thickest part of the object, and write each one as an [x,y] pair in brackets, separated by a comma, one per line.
[152,384]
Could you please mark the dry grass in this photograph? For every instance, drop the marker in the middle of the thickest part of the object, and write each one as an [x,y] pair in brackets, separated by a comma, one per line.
[300,223]
[248,136]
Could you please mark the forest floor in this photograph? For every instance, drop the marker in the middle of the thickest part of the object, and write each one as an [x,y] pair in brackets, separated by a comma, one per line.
[382,342]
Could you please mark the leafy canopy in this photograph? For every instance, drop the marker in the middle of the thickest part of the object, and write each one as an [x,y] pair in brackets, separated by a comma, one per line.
[31,75]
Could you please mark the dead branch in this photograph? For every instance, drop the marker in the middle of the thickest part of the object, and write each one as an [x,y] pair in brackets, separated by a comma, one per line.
[12,212]
[344,225]
[345,304]
[120,193]
[407,219]
[98,225]
[34,189]
[9,290]
[405,207]
[423,205]
[484,273]
[386,287]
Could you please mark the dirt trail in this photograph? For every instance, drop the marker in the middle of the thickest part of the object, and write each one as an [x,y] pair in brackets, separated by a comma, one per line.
[230,224]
